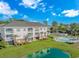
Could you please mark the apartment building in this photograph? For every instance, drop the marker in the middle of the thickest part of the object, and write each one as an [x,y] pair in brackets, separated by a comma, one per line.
[23,30]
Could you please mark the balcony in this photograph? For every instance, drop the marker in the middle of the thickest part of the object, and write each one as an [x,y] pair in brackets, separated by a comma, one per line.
[30,35]
[30,30]
[36,29]
[9,30]
[36,34]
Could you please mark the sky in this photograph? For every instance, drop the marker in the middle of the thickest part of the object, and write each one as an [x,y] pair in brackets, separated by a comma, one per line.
[62,11]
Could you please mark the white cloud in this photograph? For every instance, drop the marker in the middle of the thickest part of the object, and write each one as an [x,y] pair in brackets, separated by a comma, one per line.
[51,7]
[30,3]
[34,4]
[6,10]
[71,13]
[54,14]
[41,7]
[47,19]
[59,14]
[25,16]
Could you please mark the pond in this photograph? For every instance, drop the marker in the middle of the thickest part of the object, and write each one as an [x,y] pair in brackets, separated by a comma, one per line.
[49,53]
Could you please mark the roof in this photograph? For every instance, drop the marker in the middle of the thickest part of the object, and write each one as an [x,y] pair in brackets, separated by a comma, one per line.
[22,23]
[1,25]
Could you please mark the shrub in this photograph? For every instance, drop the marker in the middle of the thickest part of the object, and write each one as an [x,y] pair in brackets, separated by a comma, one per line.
[2,44]
[50,36]
[69,42]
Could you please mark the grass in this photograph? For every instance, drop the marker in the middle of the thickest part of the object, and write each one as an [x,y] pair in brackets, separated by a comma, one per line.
[24,50]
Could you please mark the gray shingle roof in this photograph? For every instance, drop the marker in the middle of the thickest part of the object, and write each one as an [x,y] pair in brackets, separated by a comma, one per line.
[23,24]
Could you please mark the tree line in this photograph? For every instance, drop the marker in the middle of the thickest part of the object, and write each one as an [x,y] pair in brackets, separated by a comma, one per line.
[71,29]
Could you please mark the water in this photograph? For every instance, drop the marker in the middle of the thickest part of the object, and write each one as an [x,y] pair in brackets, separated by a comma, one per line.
[50,53]
[66,39]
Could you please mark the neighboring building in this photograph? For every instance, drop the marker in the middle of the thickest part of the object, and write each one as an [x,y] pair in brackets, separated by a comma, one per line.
[20,29]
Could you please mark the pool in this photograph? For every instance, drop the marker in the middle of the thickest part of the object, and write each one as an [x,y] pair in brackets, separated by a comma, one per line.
[66,39]
[49,53]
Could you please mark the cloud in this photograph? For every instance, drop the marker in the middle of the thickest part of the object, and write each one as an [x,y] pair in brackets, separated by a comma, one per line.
[34,4]
[47,19]
[70,13]
[54,14]
[6,10]
[30,3]
[59,14]
[41,7]
[51,7]
[25,17]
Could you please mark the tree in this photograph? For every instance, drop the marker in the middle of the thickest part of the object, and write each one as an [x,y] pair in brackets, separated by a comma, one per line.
[2,43]
[9,20]
[73,27]
[62,28]
[54,26]
[14,40]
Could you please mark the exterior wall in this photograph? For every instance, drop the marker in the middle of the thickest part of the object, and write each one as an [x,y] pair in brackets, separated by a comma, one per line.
[22,32]
[43,32]
[7,33]
[2,31]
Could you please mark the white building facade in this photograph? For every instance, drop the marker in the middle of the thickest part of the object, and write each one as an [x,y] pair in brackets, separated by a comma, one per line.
[22,30]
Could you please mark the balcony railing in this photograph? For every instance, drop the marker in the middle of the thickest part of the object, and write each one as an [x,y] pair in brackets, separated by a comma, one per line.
[9,30]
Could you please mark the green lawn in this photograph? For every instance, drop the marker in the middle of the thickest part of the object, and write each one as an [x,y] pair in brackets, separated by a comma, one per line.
[24,50]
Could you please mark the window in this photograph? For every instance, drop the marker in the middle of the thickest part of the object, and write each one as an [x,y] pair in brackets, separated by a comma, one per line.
[36,29]
[9,35]
[41,32]
[30,35]
[30,39]
[0,34]
[36,33]
[30,29]
[9,30]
